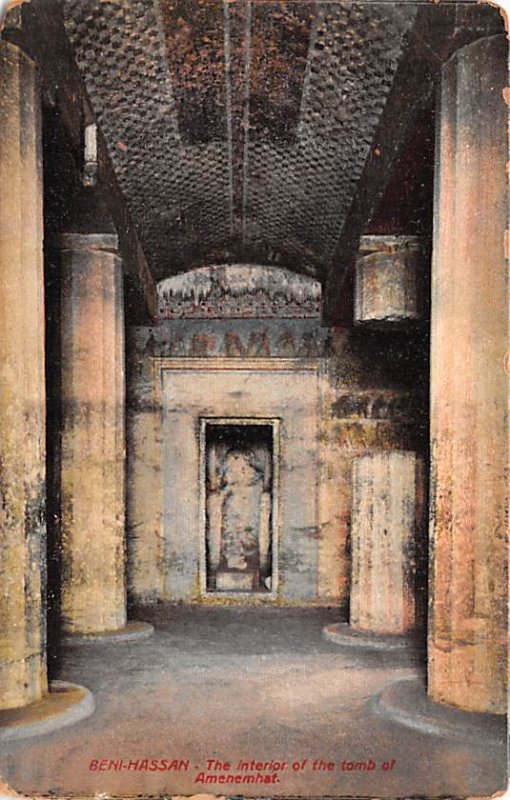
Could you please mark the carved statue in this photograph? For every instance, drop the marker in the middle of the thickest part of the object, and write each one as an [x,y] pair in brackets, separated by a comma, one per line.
[238,511]
[242,491]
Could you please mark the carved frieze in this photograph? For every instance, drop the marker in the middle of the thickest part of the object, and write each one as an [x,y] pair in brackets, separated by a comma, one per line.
[243,291]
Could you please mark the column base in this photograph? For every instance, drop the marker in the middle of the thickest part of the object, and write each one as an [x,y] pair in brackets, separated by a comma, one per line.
[64,704]
[341,633]
[406,702]
[132,631]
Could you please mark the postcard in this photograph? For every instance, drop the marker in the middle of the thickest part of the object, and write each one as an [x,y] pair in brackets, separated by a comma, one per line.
[254,435]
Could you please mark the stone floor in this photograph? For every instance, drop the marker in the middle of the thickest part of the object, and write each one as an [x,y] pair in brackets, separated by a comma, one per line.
[245,684]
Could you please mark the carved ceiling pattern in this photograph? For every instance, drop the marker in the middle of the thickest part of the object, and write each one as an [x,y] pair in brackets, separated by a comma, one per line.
[238,130]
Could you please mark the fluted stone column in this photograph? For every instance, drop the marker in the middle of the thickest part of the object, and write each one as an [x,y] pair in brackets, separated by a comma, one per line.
[93,443]
[22,396]
[469,386]
[387,523]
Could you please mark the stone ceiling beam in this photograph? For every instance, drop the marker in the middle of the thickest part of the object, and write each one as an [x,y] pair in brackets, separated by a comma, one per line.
[42,35]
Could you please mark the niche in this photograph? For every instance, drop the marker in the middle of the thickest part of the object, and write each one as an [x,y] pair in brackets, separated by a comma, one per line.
[239,471]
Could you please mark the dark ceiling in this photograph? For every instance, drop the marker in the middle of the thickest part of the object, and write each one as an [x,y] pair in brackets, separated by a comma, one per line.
[238,130]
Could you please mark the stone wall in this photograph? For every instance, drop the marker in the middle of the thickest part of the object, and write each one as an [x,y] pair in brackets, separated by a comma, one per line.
[377,388]
[370,400]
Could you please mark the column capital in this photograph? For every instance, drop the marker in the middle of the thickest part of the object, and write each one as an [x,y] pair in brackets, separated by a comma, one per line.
[390,280]
[11,49]
[106,242]
[383,243]
[491,48]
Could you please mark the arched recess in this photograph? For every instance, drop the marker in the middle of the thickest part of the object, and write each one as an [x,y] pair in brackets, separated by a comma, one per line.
[239,290]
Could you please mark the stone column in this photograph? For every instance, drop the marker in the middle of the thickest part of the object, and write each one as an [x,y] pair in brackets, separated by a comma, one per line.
[22,396]
[469,386]
[93,444]
[389,285]
[387,521]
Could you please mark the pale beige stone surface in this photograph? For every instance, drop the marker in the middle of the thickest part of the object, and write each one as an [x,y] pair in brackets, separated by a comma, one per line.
[144,503]
[469,386]
[261,389]
[93,442]
[387,528]
[22,399]
[352,417]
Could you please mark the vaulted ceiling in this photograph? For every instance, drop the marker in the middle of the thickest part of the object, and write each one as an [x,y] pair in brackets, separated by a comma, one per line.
[238,130]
